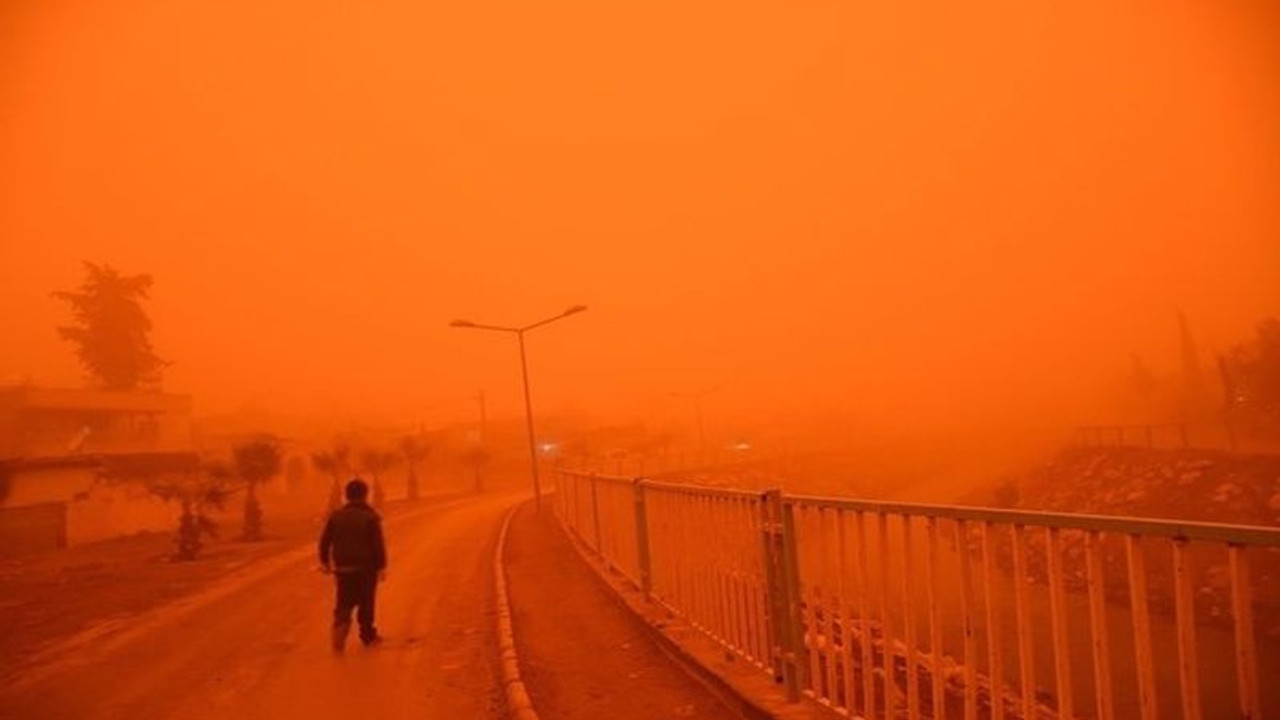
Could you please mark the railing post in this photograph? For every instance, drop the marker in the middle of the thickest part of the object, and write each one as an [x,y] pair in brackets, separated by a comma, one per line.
[783,579]
[782,657]
[595,513]
[642,536]
[769,557]
[797,653]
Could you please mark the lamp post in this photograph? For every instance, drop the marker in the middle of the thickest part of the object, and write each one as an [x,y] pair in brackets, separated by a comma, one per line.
[524,373]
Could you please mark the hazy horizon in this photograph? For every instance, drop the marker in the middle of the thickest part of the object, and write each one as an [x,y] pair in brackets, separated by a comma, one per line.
[824,209]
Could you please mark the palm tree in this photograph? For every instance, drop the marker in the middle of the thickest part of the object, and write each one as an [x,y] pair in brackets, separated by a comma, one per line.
[326,462]
[256,461]
[375,462]
[200,488]
[200,496]
[415,450]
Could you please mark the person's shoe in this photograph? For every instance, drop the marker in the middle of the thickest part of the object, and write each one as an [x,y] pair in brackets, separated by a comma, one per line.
[340,632]
[371,640]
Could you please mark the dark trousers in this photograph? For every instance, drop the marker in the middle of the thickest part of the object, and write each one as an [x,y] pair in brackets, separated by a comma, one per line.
[356,589]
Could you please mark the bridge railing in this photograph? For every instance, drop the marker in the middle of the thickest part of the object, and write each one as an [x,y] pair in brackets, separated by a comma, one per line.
[705,563]
[601,510]
[884,610]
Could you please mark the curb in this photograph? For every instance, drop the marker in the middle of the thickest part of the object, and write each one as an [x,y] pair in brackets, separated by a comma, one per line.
[732,697]
[517,696]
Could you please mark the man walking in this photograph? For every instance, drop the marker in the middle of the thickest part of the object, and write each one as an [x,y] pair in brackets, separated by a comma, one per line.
[352,548]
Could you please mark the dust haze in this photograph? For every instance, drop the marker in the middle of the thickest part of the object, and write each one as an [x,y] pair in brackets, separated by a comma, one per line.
[846,217]
[907,359]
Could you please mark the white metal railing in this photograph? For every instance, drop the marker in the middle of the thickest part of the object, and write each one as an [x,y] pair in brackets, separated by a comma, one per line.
[880,609]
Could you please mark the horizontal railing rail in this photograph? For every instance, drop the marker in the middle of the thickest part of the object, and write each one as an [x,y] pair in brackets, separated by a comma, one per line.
[1173,529]
[888,609]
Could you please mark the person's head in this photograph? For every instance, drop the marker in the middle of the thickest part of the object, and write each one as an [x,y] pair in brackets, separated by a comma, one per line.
[357,490]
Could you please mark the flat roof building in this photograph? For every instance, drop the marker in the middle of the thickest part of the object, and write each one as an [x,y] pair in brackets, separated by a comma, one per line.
[74,464]
[46,422]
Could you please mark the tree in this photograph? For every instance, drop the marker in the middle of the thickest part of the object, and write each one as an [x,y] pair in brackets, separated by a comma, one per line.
[1266,368]
[200,488]
[375,462]
[207,493]
[415,450]
[325,462]
[1251,372]
[256,461]
[111,330]
[335,463]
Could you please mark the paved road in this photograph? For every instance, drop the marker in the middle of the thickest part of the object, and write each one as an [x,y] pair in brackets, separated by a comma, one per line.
[256,646]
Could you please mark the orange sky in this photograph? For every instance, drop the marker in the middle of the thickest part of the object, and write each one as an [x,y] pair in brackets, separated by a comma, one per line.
[890,209]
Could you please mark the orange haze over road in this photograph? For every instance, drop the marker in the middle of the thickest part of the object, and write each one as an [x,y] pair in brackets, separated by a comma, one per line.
[903,211]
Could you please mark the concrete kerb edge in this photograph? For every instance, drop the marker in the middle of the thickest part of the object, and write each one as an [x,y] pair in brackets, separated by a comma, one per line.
[519,705]
[732,697]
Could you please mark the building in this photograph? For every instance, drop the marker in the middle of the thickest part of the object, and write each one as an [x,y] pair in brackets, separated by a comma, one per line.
[42,422]
[75,464]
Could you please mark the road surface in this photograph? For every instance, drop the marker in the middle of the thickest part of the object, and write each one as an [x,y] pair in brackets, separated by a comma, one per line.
[256,647]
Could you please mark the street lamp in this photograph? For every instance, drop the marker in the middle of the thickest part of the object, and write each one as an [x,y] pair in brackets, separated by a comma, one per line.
[524,372]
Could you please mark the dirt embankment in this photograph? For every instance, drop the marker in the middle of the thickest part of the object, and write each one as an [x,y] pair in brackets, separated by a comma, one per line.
[1183,485]
[1203,486]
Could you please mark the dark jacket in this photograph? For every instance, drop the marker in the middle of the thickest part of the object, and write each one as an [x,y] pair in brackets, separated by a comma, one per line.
[352,540]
